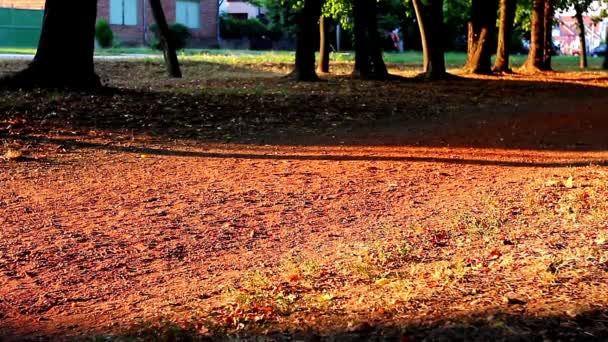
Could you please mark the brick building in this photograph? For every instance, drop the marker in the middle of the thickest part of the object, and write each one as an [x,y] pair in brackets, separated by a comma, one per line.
[131,19]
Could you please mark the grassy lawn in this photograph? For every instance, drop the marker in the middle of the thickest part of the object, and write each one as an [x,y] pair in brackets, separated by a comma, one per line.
[410,58]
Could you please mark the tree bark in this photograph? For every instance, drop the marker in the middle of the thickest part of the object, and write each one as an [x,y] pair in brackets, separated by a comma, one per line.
[534,63]
[507,17]
[581,36]
[481,30]
[64,58]
[430,25]
[323,45]
[548,14]
[167,40]
[304,69]
[369,63]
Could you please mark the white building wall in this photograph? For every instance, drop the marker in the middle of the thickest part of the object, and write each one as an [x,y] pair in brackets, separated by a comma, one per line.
[240,7]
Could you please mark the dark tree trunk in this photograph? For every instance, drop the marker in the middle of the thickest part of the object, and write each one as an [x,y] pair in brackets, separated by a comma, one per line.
[430,25]
[481,31]
[323,45]
[581,36]
[507,16]
[534,63]
[304,69]
[548,14]
[167,41]
[369,63]
[65,51]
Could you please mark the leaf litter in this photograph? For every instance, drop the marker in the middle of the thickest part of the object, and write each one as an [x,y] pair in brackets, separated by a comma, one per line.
[252,205]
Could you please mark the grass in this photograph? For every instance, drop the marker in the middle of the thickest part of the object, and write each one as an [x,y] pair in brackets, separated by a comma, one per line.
[409,58]
[17,50]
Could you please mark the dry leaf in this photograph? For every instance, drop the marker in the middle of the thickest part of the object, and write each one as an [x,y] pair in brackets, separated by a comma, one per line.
[382,281]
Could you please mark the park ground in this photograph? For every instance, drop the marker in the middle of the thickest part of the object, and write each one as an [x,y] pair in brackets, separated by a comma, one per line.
[237,203]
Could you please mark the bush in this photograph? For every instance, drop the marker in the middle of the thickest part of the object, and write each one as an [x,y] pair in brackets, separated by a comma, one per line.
[231,28]
[104,34]
[179,32]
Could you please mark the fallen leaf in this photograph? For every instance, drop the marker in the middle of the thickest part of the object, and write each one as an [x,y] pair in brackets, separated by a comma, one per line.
[382,281]
[569,183]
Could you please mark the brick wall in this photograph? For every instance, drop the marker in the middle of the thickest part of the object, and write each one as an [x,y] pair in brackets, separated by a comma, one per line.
[134,35]
[24,4]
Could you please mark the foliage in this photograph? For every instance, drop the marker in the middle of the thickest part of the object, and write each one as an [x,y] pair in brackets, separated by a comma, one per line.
[179,32]
[280,16]
[340,11]
[231,28]
[104,34]
[456,15]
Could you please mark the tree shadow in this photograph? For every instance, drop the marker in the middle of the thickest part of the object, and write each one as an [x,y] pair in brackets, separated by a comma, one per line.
[495,325]
[337,156]
[512,114]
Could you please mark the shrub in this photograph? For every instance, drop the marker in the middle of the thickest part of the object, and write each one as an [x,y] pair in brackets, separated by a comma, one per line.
[104,34]
[231,28]
[179,32]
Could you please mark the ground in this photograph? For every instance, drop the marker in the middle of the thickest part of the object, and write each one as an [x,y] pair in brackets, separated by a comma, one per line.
[237,203]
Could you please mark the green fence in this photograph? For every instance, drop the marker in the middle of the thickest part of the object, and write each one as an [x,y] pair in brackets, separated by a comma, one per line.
[19,27]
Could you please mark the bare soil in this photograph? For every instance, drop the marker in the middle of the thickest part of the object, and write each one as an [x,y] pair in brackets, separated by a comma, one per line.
[237,203]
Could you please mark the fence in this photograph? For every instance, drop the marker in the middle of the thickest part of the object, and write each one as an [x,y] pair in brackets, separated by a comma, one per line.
[20,27]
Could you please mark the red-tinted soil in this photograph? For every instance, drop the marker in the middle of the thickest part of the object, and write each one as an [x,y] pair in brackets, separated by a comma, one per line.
[473,208]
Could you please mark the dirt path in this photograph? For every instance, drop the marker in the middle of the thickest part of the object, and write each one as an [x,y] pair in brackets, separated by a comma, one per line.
[100,232]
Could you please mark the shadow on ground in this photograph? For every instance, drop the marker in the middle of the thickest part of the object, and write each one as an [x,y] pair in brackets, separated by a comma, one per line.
[285,155]
[495,326]
[507,114]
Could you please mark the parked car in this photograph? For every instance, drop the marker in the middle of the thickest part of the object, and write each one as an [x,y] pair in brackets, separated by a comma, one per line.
[599,51]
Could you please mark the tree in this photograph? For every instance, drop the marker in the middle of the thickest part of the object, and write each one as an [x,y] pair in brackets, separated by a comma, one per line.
[548,19]
[323,45]
[481,32]
[536,56]
[581,7]
[167,41]
[430,25]
[307,17]
[507,16]
[65,51]
[369,63]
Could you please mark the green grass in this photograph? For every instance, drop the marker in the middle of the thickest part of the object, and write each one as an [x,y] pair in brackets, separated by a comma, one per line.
[410,58]
[17,51]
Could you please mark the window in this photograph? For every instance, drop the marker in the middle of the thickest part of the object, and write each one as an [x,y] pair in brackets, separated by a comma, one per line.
[188,13]
[123,12]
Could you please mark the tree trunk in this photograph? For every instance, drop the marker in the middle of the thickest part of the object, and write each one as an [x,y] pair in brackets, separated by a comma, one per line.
[430,25]
[65,51]
[304,69]
[369,63]
[481,30]
[581,36]
[548,13]
[167,41]
[323,45]
[534,63]
[507,16]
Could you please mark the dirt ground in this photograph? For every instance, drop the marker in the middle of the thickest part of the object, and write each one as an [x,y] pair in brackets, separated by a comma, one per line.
[237,203]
